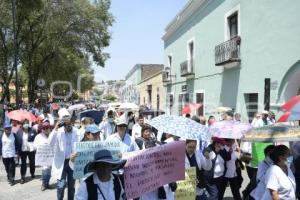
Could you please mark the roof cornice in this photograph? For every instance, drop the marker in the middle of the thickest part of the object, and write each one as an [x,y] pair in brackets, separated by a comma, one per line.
[189,9]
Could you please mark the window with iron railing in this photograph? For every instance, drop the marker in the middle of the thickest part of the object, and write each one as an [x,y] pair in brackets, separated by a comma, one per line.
[187,67]
[228,51]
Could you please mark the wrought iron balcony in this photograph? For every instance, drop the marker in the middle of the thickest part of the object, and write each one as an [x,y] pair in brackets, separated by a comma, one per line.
[187,68]
[166,77]
[228,52]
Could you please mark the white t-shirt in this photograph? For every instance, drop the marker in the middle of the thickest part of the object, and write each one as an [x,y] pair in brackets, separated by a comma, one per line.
[277,180]
[219,167]
[136,131]
[231,167]
[27,146]
[107,189]
[260,189]
[8,146]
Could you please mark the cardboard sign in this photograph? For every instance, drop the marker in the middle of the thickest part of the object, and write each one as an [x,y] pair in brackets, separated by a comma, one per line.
[44,155]
[186,189]
[154,167]
[86,150]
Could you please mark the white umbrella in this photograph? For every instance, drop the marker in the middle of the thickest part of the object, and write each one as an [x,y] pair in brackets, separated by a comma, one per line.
[76,107]
[129,106]
[223,109]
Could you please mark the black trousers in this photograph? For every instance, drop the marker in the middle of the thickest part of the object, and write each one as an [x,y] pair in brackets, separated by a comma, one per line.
[251,171]
[297,175]
[221,186]
[31,158]
[10,168]
[234,186]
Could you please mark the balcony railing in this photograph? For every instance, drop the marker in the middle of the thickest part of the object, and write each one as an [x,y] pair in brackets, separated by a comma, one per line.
[187,68]
[228,52]
[166,77]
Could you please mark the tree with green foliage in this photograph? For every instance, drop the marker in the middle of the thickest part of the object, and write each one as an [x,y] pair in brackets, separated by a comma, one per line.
[56,41]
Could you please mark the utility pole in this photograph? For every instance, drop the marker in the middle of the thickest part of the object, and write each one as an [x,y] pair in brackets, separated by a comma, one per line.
[15,52]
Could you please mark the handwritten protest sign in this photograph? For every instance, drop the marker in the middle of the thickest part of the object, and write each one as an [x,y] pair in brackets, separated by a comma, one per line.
[86,150]
[186,189]
[154,167]
[44,155]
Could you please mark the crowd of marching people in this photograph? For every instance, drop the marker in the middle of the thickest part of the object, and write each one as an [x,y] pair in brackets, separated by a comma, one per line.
[273,169]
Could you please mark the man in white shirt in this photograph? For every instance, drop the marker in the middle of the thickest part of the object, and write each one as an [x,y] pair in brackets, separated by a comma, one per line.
[263,167]
[108,125]
[137,128]
[63,136]
[10,146]
[125,138]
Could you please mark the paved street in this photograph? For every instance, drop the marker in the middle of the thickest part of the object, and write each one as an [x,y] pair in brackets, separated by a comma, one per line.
[31,189]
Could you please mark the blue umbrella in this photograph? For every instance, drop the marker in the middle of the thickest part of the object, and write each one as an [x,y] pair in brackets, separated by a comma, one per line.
[95,114]
[180,126]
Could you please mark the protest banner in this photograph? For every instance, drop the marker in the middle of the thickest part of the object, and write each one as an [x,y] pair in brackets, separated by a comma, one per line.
[154,167]
[186,189]
[86,150]
[44,155]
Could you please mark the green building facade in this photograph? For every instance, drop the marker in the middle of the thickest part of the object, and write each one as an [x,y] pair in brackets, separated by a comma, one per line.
[242,54]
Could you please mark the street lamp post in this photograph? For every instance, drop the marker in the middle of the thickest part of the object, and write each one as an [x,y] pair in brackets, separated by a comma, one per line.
[15,52]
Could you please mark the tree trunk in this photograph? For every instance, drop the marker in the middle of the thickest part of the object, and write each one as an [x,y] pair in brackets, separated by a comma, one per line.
[31,91]
[6,94]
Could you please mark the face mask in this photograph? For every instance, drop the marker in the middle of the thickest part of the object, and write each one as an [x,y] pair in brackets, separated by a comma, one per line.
[289,160]
[77,126]
[25,126]
[110,120]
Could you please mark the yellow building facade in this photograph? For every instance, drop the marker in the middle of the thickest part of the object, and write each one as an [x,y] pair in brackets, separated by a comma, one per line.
[152,92]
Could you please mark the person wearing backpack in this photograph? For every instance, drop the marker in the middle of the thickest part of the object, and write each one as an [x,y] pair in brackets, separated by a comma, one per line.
[102,184]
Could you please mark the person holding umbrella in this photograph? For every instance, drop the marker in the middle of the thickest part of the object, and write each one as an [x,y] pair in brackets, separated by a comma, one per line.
[27,150]
[215,176]
[103,184]
[233,168]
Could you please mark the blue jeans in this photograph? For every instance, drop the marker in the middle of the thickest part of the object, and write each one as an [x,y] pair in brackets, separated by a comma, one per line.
[46,175]
[66,177]
[212,191]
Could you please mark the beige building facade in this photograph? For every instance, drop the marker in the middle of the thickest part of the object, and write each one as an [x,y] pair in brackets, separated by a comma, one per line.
[152,92]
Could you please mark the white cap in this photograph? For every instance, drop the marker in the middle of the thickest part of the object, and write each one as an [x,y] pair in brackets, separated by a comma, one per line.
[63,112]
[265,112]
[121,120]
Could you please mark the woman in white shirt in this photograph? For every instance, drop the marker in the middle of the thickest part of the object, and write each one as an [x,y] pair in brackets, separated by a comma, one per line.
[42,139]
[232,171]
[27,150]
[280,181]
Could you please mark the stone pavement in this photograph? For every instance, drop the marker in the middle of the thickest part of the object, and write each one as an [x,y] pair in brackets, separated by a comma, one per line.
[31,190]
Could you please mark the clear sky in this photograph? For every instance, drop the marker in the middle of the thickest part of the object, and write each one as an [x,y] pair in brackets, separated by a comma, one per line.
[136,35]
